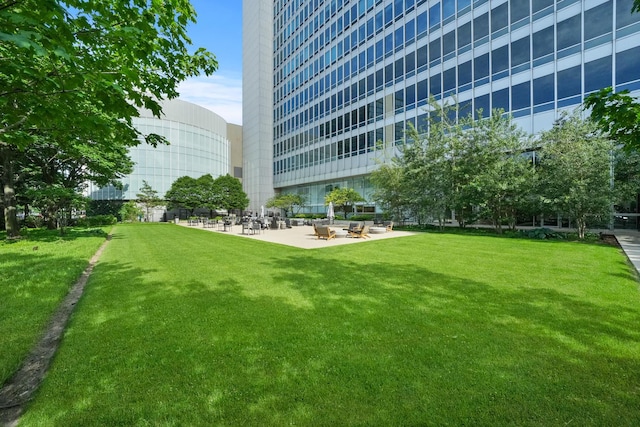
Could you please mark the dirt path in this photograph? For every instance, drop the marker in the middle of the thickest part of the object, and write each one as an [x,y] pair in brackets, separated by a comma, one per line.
[19,389]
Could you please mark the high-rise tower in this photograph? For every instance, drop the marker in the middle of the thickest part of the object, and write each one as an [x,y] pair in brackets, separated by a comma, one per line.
[343,74]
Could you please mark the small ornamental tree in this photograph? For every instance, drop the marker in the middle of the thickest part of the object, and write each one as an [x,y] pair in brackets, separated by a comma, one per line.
[148,198]
[288,202]
[130,211]
[343,199]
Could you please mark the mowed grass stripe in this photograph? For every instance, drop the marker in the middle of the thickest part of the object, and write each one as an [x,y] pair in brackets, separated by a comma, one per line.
[36,273]
[183,327]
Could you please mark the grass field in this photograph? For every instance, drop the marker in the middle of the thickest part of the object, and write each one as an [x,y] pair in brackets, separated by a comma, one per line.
[184,327]
[36,273]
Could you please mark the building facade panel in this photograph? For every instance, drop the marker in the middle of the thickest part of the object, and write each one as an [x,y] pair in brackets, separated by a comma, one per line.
[198,145]
[347,74]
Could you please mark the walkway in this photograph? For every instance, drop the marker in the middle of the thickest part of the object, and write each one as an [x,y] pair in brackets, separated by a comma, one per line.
[630,242]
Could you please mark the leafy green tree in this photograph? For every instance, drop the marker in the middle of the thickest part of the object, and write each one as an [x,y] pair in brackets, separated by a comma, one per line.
[390,191]
[288,202]
[77,71]
[618,115]
[185,193]
[343,199]
[148,198]
[232,197]
[210,193]
[130,211]
[504,178]
[575,171]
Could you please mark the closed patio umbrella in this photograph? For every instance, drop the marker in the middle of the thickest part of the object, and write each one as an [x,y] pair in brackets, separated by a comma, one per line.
[330,213]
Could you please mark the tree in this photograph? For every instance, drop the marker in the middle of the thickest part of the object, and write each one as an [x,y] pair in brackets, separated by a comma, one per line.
[343,199]
[390,191]
[288,202]
[575,172]
[130,211]
[77,71]
[184,194]
[618,115]
[209,193]
[231,194]
[504,179]
[148,198]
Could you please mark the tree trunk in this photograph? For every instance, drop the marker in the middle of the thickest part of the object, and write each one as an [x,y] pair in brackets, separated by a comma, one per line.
[582,227]
[9,194]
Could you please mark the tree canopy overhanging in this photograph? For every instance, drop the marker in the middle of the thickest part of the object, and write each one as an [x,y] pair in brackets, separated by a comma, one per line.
[74,74]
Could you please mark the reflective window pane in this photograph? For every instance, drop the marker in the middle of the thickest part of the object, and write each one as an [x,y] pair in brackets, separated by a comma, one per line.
[521,96]
[543,42]
[500,99]
[569,32]
[481,26]
[520,51]
[628,65]
[599,20]
[541,4]
[500,59]
[434,50]
[624,16]
[449,43]
[597,74]
[519,9]
[481,66]
[481,107]
[499,17]
[464,73]
[569,82]
[464,35]
[543,90]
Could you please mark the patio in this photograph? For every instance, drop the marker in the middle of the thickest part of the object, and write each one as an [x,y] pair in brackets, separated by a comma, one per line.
[302,236]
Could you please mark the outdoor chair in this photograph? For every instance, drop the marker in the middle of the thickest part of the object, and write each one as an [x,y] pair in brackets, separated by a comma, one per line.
[388,225]
[354,227]
[324,232]
[362,233]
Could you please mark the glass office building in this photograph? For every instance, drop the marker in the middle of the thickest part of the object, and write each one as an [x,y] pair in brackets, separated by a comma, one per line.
[198,145]
[344,74]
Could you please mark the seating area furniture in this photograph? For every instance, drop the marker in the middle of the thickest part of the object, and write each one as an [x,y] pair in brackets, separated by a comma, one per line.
[354,227]
[362,233]
[324,232]
[388,225]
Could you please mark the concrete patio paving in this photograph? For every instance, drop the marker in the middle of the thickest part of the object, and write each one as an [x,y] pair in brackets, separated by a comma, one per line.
[302,236]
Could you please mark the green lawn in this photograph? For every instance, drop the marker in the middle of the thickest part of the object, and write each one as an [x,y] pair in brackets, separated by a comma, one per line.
[184,327]
[36,273]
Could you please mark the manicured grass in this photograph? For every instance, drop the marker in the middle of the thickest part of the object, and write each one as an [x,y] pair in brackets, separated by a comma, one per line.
[184,327]
[36,273]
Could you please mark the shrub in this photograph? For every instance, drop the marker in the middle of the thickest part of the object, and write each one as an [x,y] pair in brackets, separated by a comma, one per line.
[33,221]
[96,221]
[543,233]
[362,218]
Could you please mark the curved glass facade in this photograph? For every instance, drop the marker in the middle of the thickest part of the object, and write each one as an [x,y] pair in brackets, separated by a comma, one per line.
[198,146]
[349,73]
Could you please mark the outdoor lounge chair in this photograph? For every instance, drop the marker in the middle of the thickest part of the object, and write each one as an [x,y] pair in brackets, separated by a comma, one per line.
[362,233]
[389,225]
[324,232]
[354,227]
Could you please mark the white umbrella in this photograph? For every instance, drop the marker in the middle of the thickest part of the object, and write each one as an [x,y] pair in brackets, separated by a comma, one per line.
[262,211]
[330,213]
